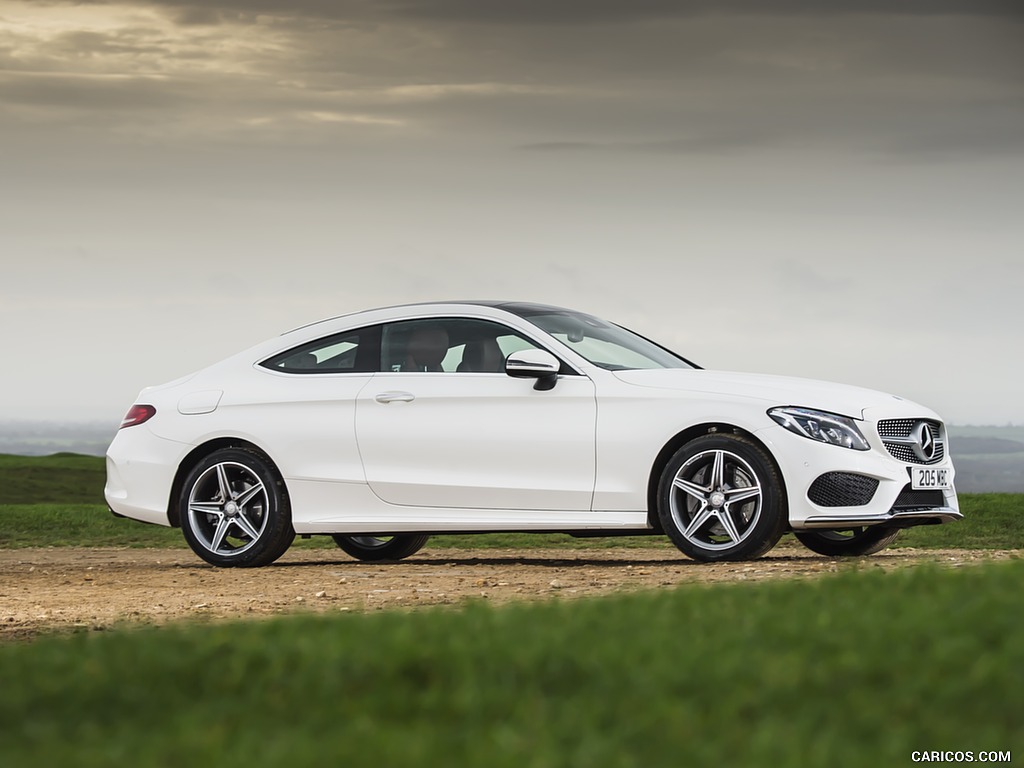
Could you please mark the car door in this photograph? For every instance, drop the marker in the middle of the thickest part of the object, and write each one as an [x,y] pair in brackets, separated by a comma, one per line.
[304,404]
[442,425]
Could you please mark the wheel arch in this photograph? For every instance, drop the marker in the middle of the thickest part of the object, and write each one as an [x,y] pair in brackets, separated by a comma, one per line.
[200,452]
[682,438]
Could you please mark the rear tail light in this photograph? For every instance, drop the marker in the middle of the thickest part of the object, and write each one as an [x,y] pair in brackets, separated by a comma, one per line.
[137,414]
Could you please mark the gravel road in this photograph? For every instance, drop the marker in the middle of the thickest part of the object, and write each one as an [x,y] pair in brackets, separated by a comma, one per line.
[94,589]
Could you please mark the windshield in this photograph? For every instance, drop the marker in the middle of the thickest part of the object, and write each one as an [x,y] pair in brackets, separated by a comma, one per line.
[602,343]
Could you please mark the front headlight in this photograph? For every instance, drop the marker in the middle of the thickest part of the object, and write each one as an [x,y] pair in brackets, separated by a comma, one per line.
[824,427]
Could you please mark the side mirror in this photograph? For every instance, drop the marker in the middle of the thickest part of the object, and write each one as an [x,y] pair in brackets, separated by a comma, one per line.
[536,364]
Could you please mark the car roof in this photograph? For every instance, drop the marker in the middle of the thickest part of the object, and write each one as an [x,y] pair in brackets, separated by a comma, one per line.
[520,308]
[512,306]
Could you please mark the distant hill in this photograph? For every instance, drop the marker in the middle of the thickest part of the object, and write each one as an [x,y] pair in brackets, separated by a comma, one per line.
[990,474]
[988,459]
[1007,432]
[42,438]
[986,445]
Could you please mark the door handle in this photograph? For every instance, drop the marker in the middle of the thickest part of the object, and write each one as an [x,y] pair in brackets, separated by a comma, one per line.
[391,397]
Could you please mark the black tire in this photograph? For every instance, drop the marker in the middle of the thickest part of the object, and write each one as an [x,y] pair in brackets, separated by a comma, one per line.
[698,509]
[851,542]
[376,548]
[234,510]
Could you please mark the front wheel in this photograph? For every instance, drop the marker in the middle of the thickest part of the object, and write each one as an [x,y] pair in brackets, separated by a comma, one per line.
[374,548]
[234,510]
[850,542]
[721,498]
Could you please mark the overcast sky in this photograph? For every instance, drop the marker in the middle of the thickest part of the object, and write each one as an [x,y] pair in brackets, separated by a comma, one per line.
[831,190]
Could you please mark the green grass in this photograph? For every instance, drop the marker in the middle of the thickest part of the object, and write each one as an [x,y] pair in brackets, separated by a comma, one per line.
[63,478]
[855,670]
[78,525]
[991,521]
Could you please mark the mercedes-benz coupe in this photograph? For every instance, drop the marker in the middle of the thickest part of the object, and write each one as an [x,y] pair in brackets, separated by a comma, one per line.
[383,427]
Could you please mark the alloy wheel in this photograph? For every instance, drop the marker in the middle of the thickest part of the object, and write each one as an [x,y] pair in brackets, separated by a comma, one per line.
[227,508]
[715,499]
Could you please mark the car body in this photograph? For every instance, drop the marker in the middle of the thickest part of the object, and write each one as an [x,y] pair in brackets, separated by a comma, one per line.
[385,426]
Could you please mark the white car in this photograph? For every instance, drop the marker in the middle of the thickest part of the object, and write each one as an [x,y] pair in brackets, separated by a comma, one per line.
[382,427]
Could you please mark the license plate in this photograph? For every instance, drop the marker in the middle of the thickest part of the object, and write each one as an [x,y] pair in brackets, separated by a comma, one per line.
[930,478]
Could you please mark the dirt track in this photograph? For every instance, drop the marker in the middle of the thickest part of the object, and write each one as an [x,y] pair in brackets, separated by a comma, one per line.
[64,588]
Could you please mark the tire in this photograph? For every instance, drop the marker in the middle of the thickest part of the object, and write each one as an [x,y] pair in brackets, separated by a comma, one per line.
[234,510]
[721,498]
[851,542]
[376,548]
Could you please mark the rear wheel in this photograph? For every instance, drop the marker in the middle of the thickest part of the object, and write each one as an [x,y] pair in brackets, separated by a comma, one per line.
[721,498]
[373,548]
[850,542]
[234,510]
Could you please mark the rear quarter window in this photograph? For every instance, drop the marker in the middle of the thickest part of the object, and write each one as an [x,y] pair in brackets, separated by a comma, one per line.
[348,352]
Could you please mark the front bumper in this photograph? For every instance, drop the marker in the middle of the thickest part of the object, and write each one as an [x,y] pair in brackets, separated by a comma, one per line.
[892,503]
[899,518]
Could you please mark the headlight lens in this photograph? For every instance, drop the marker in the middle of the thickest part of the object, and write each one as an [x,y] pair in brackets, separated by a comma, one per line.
[824,427]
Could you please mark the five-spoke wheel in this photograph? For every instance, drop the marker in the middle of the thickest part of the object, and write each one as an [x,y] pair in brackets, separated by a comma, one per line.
[375,548]
[234,511]
[720,498]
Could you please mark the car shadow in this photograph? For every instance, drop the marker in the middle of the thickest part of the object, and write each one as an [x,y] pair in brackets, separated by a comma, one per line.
[543,562]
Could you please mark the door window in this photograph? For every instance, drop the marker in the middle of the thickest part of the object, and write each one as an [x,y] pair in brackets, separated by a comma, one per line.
[449,345]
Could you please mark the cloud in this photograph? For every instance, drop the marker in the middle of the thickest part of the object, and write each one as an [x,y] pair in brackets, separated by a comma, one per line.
[532,12]
[70,91]
[616,12]
[342,117]
[913,79]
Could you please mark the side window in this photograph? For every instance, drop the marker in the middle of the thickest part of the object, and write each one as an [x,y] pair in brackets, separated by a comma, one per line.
[349,352]
[449,345]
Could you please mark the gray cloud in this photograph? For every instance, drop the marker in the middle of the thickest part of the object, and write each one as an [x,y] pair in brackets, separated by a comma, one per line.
[615,12]
[912,131]
[677,78]
[92,93]
[532,12]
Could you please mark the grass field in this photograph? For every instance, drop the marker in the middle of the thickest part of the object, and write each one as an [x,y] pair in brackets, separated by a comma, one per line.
[64,478]
[991,521]
[855,670]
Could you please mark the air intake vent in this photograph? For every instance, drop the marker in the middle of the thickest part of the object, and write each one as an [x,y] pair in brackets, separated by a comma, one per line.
[911,499]
[842,489]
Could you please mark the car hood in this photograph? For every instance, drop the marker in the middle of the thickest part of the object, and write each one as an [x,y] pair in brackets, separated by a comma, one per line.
[771,390]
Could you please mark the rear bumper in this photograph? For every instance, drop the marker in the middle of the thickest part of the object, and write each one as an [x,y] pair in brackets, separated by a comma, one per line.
[140,472]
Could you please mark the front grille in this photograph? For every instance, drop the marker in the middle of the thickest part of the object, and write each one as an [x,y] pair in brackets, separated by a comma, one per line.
[911,499]
[913,441]
[842,489]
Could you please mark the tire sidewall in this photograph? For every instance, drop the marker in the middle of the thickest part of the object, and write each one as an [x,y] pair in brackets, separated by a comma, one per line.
[400,547]
[773,516]
[867,542]
[277,533]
